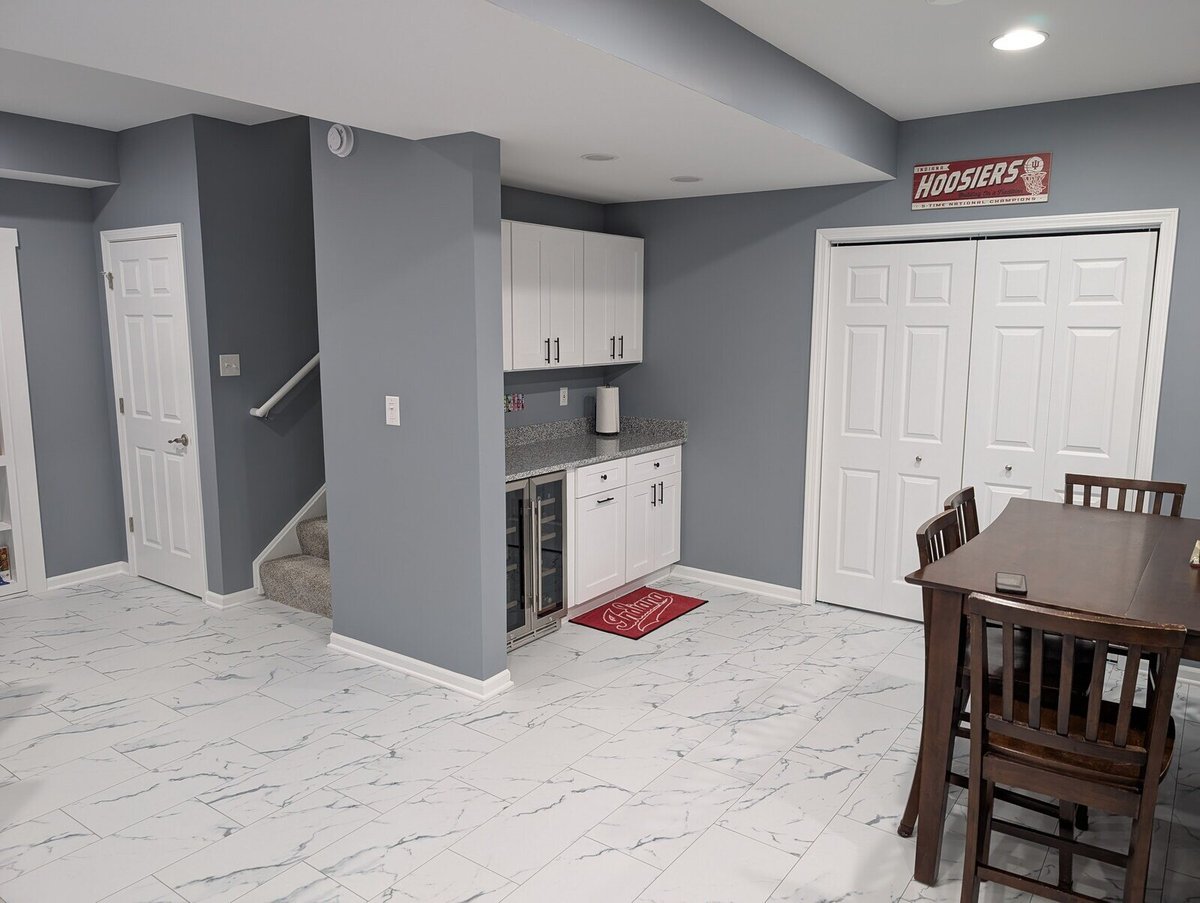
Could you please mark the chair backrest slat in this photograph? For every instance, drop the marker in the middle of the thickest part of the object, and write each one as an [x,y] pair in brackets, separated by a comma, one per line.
[1091,734]
[1145,492]
[963,503]
[938,537]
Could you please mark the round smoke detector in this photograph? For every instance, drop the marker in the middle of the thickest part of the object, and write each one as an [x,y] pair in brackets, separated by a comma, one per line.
[340,140]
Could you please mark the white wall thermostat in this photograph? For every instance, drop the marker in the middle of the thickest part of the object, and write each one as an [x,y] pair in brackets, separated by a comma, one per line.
[340,140]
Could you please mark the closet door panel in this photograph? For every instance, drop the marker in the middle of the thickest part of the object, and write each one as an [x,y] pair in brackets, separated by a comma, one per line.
[1016,293]
[1099,356]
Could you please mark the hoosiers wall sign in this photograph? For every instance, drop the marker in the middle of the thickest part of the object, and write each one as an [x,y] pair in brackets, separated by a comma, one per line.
[1015,179]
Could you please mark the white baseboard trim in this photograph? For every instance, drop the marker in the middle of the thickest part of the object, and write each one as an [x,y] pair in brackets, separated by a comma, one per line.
[114,569]
[443,677]
[1189,673]
[231,600]
[770,590]
[286,542]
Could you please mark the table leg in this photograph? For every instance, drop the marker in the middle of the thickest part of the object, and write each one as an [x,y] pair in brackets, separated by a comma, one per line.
[945,634]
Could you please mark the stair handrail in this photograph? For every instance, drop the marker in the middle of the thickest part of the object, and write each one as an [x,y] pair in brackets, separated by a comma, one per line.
[265,409]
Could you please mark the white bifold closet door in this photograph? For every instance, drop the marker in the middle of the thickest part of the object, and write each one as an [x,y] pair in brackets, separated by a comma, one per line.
[1058,356]
[898,357]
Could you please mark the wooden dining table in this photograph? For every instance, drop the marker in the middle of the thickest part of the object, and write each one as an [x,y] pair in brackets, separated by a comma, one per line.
[1082,559]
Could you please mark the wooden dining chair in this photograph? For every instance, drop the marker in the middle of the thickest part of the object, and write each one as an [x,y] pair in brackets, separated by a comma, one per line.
[963,504]
[1109,754]
[1144,494]
[937,538]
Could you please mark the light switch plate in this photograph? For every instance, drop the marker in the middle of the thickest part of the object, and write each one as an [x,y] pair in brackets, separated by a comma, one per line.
[231,364]
[562,396]
[392,408]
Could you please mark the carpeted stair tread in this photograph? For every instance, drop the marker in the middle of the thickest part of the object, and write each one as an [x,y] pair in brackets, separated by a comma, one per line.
[314,537]
[301,581]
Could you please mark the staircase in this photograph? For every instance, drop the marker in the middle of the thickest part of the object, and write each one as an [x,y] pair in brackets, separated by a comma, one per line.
[302,581]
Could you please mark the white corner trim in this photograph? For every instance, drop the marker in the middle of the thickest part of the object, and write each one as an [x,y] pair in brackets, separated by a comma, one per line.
[286,542]
[232,600]
[114,569]
[1165,220]
[443,677]
[745,584]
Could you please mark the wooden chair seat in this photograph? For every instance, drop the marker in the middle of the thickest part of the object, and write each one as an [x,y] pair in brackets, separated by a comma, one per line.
[1075,765]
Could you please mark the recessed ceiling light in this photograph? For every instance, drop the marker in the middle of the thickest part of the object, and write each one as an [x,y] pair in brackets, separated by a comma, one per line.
[686,179]
[598,158]
[1019,39]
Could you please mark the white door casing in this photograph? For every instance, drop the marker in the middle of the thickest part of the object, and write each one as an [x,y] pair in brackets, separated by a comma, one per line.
[1163,221]
[899,337]
[152,372]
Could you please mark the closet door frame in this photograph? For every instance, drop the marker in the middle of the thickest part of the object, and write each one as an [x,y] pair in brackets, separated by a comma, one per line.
[1165,221]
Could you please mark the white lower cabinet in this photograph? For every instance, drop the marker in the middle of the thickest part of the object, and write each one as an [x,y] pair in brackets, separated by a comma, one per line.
[600,538]
[624,532]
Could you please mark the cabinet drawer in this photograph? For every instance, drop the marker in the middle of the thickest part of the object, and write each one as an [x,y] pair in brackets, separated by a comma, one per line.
[654,464]
[599,477]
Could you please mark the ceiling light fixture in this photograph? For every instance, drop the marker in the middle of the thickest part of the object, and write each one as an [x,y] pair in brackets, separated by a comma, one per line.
[1019,39]
[686,179]
[598,158]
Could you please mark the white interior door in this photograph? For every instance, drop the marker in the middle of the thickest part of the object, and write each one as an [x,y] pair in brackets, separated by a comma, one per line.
[149,330]
[1095,402]
[1057,363]
[898,353]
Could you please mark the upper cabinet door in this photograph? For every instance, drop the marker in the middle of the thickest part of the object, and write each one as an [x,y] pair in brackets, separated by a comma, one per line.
[547,297]
[613,278]
[506,291]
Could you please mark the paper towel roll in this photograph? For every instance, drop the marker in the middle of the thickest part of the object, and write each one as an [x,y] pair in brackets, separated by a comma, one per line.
[608,411]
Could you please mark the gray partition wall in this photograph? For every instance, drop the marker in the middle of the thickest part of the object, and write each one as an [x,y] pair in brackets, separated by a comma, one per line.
[407,238]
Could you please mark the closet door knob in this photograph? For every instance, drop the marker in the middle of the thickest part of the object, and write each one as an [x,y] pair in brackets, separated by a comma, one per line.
[918,459]
[1008,468]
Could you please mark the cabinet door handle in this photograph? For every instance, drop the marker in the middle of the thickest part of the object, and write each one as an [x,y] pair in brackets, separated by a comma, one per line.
[660,493]
[653,496]
[547,351]
[557,349]
[612,354]
[611,498]
[622,354]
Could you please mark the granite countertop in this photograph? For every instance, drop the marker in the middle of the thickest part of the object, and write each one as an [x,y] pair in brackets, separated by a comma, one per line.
[530,451]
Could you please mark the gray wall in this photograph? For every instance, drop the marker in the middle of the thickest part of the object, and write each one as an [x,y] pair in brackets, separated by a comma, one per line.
[48,151]
[541,387]
[255,189]
[729,303]
[408,295]
[69,385]
[159,186]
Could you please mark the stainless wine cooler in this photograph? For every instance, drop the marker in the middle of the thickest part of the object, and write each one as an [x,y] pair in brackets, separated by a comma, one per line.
[536,536]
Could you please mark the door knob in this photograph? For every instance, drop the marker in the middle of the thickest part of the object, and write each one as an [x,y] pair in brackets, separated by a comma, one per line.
[181,440]
[918,459]
[1008,468]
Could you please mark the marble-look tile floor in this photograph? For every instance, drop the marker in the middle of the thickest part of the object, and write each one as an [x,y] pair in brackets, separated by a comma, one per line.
[153,749]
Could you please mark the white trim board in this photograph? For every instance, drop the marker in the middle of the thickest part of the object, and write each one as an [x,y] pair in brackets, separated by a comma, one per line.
[113,569]
[745,584]
[232,600]
[15,381]
[286,541]
[443,677]
[1164,220]
[108,238]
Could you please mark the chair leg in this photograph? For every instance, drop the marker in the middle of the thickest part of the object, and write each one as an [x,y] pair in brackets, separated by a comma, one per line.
[908,821]
[1137,869]
[978,821]
[1066,830]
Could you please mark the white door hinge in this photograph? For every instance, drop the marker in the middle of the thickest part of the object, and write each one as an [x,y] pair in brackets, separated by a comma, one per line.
[131,525]
[109,276]
[121,405]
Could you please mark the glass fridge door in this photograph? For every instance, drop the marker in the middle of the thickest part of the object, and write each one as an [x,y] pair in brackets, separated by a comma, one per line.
[549,522]
[516,529]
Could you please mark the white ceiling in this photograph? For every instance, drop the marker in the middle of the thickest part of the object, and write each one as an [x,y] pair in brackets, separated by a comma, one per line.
[419,68]
[36,86]
[914,59]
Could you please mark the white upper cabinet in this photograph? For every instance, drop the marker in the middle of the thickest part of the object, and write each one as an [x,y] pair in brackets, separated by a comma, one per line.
[612,299]
[547,297]
[570,298]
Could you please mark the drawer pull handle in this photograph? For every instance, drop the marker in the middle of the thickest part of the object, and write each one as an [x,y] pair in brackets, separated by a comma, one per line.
[658,463]
[604,476]
[609,499]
